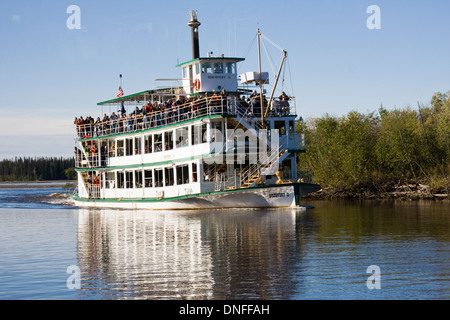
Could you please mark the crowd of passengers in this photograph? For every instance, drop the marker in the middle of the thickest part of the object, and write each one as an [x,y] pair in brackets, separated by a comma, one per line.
[158,114]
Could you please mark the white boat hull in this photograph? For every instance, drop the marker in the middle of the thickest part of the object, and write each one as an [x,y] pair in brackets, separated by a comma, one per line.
[260,197]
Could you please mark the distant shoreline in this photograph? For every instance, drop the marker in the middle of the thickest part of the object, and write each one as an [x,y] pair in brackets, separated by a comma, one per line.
[33,184]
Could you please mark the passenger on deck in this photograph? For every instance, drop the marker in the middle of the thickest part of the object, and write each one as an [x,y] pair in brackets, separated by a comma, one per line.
[224,97]
[79,122]
[284,103]
[113,125]
[243,105]
[105,125]
[254,103]
[98,127]
[215,102]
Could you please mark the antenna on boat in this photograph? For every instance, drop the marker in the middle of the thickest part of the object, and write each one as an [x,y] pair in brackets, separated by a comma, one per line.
[194,24]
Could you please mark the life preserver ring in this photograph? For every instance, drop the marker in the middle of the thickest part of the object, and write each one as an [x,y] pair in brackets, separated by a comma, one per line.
[197,85]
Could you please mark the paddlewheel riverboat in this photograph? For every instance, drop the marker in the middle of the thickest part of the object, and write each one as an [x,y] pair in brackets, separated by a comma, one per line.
[202,141]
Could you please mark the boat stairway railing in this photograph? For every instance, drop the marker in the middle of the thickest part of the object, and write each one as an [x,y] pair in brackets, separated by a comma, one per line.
[250,175]
[246,118]
[81,156]
[92,189]
[86,184]
[226,180]
[87,159]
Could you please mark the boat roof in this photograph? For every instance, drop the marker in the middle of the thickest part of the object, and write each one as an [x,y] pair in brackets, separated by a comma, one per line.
[229,59]
[139,96]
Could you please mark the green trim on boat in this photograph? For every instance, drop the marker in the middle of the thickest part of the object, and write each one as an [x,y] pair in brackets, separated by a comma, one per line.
[295,184]
[124,98]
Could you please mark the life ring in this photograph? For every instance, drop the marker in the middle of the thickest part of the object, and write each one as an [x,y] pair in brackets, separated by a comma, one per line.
[197,85]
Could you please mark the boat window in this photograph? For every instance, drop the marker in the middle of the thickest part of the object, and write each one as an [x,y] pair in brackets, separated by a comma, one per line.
[158,142]
[159,178]
[111,148]
[182,137]
[197,68]
[169,176]
[168,140]
[138,178]
[182,174]
[110,180]
[120,148]
[291,128]
[204,128]
[185,72]
[207,172]
[148,144]
[281,127]
[194,172]
[196,134]
[218,67]
[120,180]
[129,179]
[129,147]
[206,67]
[216,131]
[137,145]
[231,67]
[148,176]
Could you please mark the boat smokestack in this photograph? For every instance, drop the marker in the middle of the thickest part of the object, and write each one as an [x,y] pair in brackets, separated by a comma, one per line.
[194,24]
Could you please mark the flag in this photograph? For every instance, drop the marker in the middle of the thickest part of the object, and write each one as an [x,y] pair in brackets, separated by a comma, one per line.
[120,93]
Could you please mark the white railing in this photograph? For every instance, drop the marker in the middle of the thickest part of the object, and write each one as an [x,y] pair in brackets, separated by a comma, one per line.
[159,117]
[162,116]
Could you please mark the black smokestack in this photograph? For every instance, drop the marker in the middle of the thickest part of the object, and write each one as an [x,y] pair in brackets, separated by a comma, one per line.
[194,24]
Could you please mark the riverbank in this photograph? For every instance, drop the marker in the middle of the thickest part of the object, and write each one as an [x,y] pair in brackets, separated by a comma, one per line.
[410,191]
[36,184]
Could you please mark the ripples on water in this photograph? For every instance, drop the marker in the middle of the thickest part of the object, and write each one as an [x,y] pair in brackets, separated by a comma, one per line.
[321,253]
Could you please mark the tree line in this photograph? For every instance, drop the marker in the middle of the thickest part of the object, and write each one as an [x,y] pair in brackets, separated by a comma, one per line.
[380,148]
[37,169]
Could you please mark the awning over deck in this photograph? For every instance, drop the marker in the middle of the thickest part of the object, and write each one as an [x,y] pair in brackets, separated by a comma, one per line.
[144,95]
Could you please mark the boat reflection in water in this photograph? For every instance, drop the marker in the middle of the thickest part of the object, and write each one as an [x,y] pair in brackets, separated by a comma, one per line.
[186,255]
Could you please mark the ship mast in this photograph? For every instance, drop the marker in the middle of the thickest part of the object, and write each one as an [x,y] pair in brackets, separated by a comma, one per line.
[275,85]
[264,114]
[261,101]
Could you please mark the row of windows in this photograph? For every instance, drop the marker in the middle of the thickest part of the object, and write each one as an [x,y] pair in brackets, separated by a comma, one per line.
[150,178]
[212,67]
[166,141]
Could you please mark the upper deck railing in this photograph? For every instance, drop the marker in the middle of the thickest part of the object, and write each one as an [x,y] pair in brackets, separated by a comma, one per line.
[161,115]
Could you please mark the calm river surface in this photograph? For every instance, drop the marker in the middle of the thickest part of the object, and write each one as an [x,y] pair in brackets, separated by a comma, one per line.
[321,253]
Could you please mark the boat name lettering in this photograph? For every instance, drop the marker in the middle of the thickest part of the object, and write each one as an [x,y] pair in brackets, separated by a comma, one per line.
[216,77]
[278,195]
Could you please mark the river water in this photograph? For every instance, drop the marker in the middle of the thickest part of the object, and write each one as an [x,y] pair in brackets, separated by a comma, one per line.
[336,250]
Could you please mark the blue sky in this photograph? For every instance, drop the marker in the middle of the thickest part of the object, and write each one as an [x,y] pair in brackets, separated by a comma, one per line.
[50,74]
